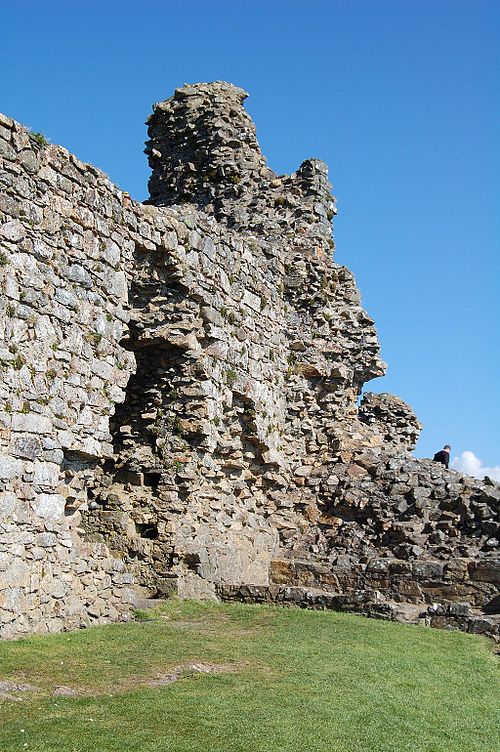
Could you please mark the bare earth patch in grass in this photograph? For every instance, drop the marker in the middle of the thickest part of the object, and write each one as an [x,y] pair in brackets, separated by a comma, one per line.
[245,678]
[10,690]
[189,669]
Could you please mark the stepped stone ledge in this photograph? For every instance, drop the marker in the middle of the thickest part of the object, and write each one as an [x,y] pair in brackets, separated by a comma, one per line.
[180,397]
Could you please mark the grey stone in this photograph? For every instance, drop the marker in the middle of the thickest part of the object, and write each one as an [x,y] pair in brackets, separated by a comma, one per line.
[28,160]
[31,423]
[236,461]
[10,467]
[13,230]
[28,447]
[6,150]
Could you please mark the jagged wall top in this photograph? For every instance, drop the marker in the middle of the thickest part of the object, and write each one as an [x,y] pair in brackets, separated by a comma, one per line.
[202,140]
[203,150]
[239,458]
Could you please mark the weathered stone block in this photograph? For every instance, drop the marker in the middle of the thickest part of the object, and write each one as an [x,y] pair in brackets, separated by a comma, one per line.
[31,423]
[28,447]
[485,571]
[10,467]
[49,506]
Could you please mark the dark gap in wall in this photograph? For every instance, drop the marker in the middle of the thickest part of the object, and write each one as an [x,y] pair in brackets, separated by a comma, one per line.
[147,530]
[192,561]
[69,509]
[152,479]
[138,420]
[76,460]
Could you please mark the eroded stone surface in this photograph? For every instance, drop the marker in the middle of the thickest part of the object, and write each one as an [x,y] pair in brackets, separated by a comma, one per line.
[179,387]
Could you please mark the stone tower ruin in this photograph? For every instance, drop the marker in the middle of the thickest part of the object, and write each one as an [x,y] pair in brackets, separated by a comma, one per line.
[180,397]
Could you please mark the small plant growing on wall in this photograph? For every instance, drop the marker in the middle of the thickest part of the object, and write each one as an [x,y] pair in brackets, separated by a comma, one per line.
[231,376]
[18,362]
[93,338]
[39,138]
[178,427]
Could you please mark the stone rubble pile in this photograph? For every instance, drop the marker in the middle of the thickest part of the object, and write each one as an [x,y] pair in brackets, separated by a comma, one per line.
[394,418]
[179,397]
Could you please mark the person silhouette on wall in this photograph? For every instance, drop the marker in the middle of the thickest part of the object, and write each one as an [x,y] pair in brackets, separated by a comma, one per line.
[443,456]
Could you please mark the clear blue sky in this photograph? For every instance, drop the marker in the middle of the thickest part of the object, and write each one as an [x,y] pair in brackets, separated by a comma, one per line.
[400,97]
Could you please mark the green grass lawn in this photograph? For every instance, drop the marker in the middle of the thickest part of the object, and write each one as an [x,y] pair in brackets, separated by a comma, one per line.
[289,680]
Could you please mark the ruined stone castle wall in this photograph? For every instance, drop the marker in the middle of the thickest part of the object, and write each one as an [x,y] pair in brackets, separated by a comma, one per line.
[63,314]
[180,397]
[79,259]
